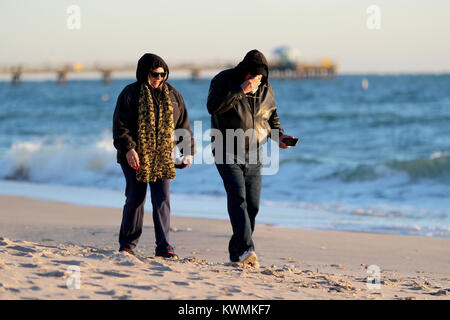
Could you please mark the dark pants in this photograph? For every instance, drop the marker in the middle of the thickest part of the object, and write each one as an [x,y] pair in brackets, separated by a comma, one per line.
[133,211]
[242,183]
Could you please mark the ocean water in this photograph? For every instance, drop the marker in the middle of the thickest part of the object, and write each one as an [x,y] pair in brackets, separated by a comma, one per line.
[374,160]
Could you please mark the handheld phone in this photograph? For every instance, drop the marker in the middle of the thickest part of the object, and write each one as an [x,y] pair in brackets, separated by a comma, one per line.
[290,142]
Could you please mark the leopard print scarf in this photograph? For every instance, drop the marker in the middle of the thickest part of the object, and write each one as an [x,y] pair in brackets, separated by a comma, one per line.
[155,147]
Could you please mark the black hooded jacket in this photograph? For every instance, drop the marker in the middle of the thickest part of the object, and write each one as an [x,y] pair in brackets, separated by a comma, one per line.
[125,118]
[231,108]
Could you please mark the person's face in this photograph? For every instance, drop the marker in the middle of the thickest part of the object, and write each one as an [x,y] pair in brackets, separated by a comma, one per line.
[249,76]
[156,77]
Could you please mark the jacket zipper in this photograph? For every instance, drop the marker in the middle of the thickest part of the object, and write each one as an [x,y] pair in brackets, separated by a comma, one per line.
[252,104]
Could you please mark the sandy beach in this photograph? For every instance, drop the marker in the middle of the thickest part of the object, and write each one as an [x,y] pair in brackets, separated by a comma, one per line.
[46,247]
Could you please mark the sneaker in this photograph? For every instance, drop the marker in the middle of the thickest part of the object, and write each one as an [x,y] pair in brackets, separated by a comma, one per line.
[127,250]
[248,257]
[169,255]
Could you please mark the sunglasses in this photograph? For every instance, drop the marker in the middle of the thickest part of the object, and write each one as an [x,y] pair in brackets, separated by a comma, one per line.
[156,74]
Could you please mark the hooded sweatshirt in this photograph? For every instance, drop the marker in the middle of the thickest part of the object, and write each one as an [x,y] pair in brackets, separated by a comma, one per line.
[231,108]
[125,118]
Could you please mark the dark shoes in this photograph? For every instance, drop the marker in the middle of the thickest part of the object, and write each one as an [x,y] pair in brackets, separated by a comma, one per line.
[127,250]
[169,255]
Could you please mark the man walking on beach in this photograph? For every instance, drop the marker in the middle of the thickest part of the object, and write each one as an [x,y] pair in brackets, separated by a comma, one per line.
[241,100]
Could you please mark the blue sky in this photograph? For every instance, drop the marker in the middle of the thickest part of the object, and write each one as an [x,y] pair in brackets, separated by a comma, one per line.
[413,36]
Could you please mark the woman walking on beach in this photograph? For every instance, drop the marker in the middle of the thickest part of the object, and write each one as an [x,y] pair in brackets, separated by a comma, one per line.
[146,115]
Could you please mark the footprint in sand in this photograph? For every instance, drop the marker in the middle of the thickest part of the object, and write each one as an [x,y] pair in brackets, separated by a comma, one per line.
[181,283]
[22,249]
[161,269]
[95,256]
[195,278]
[108,293]
[209,284]
[28,265]
[124,259]
[12,290]
[233,289]
[125,263]
[69,262]
[442,292]
[47,246]
[85,285]
[56,274]
[106,252]
[113,273]
[22,254]
[142,287]
[156,263]
[157,274]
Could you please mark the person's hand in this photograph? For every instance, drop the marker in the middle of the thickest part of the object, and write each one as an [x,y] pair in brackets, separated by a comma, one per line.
[281,143]
[187,161]
[251,84]
[133,159]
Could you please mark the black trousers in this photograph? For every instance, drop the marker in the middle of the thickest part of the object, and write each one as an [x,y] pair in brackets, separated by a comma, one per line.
[133,211]
[242,183]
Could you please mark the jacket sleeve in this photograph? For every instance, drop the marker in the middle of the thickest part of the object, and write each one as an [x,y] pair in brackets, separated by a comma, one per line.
[274,122]
[122,139]
[183,123]
[221,98]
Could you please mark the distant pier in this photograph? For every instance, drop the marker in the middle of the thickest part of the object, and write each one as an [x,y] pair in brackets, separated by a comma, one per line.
[277,71]
[325,70]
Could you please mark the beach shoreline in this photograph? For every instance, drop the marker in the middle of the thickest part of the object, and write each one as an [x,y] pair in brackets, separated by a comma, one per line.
[40,239]
[305,216]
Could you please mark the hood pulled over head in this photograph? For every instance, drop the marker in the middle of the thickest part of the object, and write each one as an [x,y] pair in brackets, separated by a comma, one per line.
[254,63]
[147,63]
